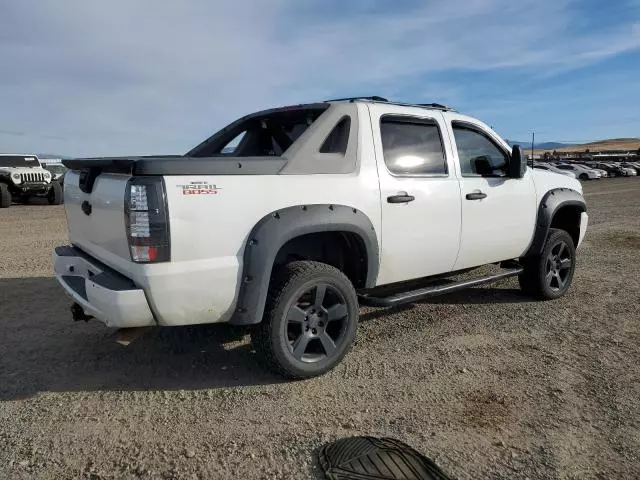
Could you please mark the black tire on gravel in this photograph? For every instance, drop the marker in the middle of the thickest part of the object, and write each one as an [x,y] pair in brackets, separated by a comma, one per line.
[5,196]
[583,176]
[55,194]
[310,320]
[549,275]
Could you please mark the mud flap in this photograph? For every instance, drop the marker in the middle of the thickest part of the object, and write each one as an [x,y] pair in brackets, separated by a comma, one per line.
[358,458]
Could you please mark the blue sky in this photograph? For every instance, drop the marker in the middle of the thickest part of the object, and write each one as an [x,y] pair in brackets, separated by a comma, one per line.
[157,76]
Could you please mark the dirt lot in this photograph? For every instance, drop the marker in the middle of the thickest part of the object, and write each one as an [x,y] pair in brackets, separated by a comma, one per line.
[490,384]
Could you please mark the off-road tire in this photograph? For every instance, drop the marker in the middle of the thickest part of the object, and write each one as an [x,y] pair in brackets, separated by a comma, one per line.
[270,337]
[55,194]
[534,280]
[5,196]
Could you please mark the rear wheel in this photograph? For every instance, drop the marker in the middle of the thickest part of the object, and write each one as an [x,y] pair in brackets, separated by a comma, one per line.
[310,320]
[583,176]
[5,196]
[55,194]
[549,275]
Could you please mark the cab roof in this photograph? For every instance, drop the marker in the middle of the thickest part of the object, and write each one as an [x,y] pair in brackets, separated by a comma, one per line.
[377,99]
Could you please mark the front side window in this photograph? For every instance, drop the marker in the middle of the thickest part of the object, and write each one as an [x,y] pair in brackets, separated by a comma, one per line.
[478,154]
[412,146]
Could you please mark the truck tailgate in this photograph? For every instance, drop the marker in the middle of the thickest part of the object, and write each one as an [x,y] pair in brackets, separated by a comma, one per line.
[96,220]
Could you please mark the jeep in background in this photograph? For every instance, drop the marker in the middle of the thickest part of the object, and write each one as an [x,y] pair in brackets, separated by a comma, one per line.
[22,177]
[58,172]
[287,220]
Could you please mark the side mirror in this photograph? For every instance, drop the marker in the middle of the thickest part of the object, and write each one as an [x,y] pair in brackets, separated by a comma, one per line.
[517,165]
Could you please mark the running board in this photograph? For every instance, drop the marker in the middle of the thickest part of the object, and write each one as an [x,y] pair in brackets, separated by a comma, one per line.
[434,290]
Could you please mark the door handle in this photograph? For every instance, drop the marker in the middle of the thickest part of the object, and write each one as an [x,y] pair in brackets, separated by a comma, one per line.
[401,198]
[476,196]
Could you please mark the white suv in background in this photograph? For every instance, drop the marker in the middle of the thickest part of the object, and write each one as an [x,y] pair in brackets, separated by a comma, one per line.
[580,171]
[553,168]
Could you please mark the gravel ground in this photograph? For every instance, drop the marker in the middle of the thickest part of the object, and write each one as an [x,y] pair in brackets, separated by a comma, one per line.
[486,382]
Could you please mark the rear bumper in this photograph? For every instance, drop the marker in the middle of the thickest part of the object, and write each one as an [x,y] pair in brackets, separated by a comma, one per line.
[101,292]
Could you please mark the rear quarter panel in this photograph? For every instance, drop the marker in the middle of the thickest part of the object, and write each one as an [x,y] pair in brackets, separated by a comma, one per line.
[210,221]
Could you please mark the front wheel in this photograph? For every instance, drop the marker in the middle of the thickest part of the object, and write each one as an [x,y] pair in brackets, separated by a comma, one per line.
[549,275]
[310,320]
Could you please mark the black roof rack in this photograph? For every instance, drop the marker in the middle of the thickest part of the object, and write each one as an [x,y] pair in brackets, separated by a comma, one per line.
[375,98]
[433,105]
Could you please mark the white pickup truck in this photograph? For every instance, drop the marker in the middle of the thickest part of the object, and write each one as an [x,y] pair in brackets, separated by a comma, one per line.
[289,219]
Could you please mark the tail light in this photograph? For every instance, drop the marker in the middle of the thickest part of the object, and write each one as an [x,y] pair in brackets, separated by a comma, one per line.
[147,220]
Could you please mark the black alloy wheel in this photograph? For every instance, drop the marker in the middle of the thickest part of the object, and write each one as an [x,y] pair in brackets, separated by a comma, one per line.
[316,323]
[310,319]
[558,267]
[549,275]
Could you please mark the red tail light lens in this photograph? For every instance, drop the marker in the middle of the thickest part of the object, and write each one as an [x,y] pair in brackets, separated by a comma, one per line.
[147,220]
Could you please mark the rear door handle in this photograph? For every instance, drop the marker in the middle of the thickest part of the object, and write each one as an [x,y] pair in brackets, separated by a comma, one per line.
[401,198]
[476,196]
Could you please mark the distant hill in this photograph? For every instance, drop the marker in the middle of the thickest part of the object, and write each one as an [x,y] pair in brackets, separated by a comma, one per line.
[541,146]
[51,155]
[612,144]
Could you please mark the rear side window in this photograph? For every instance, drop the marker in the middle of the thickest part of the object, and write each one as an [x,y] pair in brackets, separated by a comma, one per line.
[412,146]
[232,146]
[264,134]
[338,139]
[478,154]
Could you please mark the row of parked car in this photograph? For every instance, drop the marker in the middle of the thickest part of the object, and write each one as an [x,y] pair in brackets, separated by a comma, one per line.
[591,171]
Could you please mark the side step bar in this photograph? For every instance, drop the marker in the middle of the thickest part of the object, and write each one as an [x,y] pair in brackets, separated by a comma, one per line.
[434,290]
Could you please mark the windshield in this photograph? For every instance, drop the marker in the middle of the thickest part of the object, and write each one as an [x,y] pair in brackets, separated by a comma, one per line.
[56,168]
[18,161]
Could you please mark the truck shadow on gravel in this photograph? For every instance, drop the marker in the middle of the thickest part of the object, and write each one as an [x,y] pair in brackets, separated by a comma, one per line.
[42,349]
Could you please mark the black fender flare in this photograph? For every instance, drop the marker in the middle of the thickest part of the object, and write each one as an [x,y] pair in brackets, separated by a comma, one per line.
[552,201]
[276,229]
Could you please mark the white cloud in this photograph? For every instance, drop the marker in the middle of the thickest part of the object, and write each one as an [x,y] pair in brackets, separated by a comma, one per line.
[155,75]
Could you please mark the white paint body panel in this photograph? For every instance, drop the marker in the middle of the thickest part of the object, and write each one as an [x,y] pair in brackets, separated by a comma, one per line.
[500,226]
[419,238]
